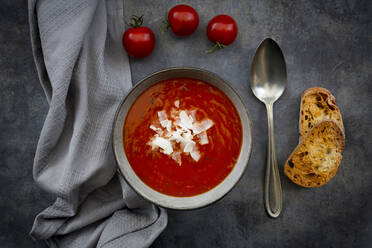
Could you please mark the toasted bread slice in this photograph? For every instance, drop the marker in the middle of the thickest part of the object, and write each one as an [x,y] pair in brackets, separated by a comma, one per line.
[317,104]
[317,158]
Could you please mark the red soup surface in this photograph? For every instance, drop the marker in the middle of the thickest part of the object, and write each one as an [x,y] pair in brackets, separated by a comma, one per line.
[182,136]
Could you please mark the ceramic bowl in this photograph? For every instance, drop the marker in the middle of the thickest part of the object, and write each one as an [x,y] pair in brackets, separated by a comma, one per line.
[172,202]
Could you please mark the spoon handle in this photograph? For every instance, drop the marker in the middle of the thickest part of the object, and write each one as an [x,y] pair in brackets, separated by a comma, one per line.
[273,188]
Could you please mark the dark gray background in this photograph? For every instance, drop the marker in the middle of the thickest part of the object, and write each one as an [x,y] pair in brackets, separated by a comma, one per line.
[325,43]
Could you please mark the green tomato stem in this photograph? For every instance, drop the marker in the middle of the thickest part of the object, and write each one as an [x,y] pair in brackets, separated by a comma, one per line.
[216,46]
[165,26]
[135,21]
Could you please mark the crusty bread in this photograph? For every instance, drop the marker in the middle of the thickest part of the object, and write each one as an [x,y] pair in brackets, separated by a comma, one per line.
[317,104]
[316,159]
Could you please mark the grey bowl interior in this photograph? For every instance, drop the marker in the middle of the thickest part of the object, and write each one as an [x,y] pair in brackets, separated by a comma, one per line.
[182,203]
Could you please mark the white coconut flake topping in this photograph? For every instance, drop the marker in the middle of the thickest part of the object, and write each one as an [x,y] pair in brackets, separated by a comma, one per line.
[202,126]
[189,147]
[193,115]
[162,116]
[167,124]
[156,129]
[203,138]
[177,157]
[181,131]
[177,103]
[164,144]
[195,155]
[186,121]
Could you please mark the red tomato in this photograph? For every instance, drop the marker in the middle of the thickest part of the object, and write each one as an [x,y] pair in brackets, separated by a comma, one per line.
[183,20]
[138,41]
[222,30]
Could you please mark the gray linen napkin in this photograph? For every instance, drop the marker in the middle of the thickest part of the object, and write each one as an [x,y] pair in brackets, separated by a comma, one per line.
[85,75]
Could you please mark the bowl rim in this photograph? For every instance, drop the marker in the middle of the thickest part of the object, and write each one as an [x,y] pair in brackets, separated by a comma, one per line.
[116,151]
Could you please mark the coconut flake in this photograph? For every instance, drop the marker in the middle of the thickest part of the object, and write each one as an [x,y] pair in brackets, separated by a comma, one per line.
[177,103]
[177,157]
[164,144]
[193,114]
[187,136]
[177,121]
[156,129]
[167,124]
[192,119]
[189,146]
[195,155]
[203,138]
[176,136]
[186,122]
[162,116]
[202,126]
[164,123]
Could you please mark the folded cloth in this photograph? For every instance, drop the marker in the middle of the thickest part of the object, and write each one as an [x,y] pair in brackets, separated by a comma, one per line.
[85,75]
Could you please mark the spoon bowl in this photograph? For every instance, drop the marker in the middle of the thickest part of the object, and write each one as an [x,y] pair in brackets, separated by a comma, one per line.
[268,72]
[268,80]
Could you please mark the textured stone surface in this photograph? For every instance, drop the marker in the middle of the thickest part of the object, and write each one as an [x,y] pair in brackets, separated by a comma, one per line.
[326,43]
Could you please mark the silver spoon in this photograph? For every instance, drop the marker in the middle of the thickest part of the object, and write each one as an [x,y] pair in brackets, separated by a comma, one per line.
[268,80]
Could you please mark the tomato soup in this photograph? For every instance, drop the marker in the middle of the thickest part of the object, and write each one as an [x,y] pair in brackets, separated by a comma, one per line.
[182,136]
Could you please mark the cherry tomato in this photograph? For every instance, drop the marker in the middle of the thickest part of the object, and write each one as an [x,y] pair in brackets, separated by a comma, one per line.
[222,30]
[138,41]
[183,20]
